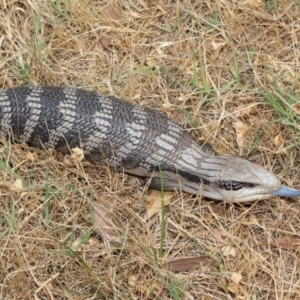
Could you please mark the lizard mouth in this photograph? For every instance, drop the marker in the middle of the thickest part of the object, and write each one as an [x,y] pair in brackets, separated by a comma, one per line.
[286,192]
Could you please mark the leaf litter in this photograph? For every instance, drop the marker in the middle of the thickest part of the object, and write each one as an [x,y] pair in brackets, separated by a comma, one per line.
[105,222]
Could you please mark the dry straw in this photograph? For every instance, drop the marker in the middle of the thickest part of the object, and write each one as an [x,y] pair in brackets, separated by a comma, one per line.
[226,70]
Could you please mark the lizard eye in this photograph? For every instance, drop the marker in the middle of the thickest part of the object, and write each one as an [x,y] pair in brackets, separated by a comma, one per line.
[232,185]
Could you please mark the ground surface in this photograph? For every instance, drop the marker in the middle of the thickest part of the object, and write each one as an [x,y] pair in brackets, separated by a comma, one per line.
[228,71]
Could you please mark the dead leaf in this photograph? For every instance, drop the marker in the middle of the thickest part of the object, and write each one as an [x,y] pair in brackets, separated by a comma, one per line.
[233,288]
[154,202]
[279,144]
[240,129]
[252,220]
[151,61]
[287,243]
[50,286]
[132,280]
[208,218]
[236,277]
[105,40]
[104,222]
[183,264]
[256,3]
[164,45]
[128,201]
[242,111]
[269,78]
[30,157]
[219,235]
[109,15]
[77,154]
[76,245]
[138,52]
[229,251]
[217,45]
[278,141]
[17,186]
[92,241]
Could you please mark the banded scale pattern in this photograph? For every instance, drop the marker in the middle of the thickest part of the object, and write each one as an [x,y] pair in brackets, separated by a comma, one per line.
[129,136]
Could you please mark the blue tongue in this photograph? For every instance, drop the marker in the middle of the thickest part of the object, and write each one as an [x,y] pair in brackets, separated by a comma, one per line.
[286,192]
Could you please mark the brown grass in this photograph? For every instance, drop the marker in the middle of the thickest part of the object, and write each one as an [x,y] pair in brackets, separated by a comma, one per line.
[229,70]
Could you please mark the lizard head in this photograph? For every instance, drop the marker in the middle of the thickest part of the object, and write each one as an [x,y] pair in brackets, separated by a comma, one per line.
[232,178]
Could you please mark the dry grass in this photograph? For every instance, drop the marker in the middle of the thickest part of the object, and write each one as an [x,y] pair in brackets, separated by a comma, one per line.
[227,69]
